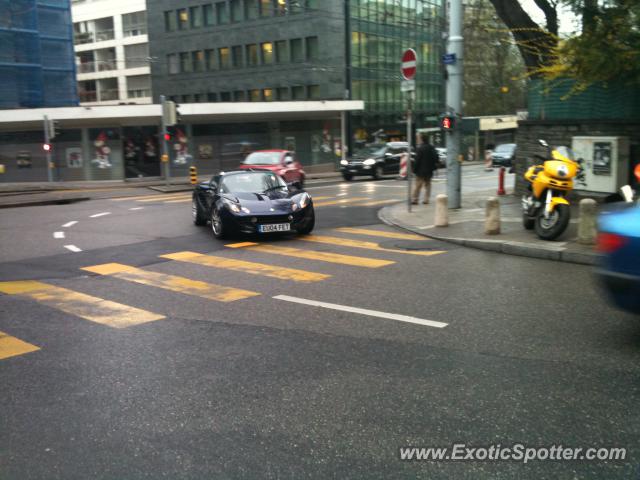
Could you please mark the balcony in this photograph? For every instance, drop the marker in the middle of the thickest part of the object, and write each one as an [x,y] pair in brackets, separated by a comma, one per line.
[80,38]
[101,96]
[140,93]
[101,66]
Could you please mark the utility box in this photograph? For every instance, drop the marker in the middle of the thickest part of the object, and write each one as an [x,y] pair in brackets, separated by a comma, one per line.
[606,162]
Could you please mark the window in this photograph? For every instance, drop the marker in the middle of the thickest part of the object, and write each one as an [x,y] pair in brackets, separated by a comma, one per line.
[207,13]
[225,96]
[314,92]
[236,10]
[298,93]
[136,56]
[252,55]
[282,52]
[312,48]
[267,94]
[267,53]
[185,62]
[198,61]
[134,24]
[283,93]
[236,54]
[210,59]
[183,19]
[138,86]
[281,7]
[296,50]
[266,8]
[196,16]
[172,64]
[170,23]
[255,95]
[239,96]
[223,58]
[251,9]
[212,97]
[198,97]
[186,98]
[221,13]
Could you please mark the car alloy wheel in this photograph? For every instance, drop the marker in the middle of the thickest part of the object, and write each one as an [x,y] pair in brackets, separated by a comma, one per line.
[216,223]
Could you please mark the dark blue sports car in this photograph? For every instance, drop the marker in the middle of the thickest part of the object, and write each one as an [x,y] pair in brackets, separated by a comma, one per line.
[619,242]
[252,201]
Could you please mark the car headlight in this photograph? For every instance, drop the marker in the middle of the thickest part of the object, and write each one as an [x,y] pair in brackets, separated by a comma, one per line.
[344,162]
[562,171]
[294,206]
[369,161]
[234,207]
[304,201]
[245,210]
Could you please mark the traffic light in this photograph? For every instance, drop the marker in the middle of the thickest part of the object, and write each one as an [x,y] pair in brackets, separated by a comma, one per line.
[447,122]
[47,147]
[170,132]
[169,113]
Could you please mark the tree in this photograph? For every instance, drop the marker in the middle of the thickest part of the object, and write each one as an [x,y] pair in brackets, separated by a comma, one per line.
[493,75]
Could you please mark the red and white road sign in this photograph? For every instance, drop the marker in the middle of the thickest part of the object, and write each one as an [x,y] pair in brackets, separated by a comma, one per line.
[409,64]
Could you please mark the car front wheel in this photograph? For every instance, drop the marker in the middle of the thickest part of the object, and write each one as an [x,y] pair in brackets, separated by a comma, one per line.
[308,224]
[347,176]
[217,225]
[199,218]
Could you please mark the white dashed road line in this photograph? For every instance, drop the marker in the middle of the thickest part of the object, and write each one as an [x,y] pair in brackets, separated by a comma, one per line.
[362,311]
[136,208]
[99,214]
[69,224]
[58,234]
[73,248]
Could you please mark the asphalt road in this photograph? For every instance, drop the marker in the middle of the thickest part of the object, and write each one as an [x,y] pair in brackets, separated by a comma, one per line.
[194,358]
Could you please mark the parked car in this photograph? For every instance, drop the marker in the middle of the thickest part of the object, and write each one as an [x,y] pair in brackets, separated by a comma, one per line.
[256,201]
[374,160]
[619,243]
[282,162]
[503,155]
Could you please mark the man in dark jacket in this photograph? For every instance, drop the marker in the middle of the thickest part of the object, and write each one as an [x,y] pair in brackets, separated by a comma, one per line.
[425,165]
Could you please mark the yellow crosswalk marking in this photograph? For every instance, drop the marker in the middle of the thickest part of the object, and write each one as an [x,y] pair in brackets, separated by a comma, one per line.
[381,233]
[376,202]
[79,304]
[313,255]
[146,197]
[12,346]
[281,273]
[166,198]
[171,282]
[346,242]
[340,201]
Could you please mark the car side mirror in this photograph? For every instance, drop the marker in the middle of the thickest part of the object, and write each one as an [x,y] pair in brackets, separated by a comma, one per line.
[288,161]
[295,185]
[388,154]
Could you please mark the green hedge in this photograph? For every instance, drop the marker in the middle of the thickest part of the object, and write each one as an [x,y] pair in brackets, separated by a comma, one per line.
[553,101]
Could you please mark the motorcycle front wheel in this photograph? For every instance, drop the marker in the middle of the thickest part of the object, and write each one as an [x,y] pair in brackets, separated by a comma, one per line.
[552,227]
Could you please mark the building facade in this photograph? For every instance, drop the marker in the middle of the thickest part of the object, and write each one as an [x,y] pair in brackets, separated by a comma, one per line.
[281,50]
[36,58]
[112,51]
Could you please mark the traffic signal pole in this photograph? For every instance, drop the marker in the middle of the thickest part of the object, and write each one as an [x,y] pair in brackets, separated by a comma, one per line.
[47,141]
[165,150]
[454,103]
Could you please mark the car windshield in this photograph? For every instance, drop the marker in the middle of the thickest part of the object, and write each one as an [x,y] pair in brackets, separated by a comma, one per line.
[263,158]
[251,182]
[566,152]
[505,148]
[371,150]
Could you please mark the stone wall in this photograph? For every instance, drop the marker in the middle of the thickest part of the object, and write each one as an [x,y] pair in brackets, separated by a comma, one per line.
[559,132]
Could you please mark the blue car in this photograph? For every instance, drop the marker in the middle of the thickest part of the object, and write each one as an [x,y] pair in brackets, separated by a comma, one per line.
[619,243]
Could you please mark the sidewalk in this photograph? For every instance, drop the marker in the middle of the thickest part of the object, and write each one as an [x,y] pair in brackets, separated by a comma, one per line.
[55,193]
[466,227]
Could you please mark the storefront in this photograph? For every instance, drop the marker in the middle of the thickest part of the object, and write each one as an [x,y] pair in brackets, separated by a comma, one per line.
[125,142]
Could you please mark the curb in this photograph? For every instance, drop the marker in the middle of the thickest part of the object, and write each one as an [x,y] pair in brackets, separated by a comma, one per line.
[39,203]
[503,246]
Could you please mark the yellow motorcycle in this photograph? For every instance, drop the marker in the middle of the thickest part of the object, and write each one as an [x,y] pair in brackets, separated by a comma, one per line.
[546,208]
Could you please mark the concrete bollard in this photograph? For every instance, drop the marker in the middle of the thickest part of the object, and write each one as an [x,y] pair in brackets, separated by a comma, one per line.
[492,217]
[442,211]
[587,230]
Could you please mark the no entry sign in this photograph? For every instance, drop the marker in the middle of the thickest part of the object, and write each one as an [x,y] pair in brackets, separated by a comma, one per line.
[409,64]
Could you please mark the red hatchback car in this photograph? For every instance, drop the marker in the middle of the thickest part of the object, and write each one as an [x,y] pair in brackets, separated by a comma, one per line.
[282,162]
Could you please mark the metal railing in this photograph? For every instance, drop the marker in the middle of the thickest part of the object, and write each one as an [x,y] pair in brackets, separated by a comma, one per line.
[139,93]
[80,38]
[99,66]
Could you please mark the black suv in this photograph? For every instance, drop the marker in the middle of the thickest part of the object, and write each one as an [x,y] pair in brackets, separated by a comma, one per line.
[374,160]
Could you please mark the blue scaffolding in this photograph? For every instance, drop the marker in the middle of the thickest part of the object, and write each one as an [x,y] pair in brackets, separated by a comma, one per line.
[37,63]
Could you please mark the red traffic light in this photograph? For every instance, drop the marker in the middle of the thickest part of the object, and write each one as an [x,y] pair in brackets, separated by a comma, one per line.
[167,136]
[46,147]
[446,122]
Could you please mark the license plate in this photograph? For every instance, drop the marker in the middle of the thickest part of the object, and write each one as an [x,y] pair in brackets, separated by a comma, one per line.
[353,170]
[274,227]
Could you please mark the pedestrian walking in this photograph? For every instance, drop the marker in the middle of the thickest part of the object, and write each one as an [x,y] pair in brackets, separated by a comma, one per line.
[424,166]
[488,160]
